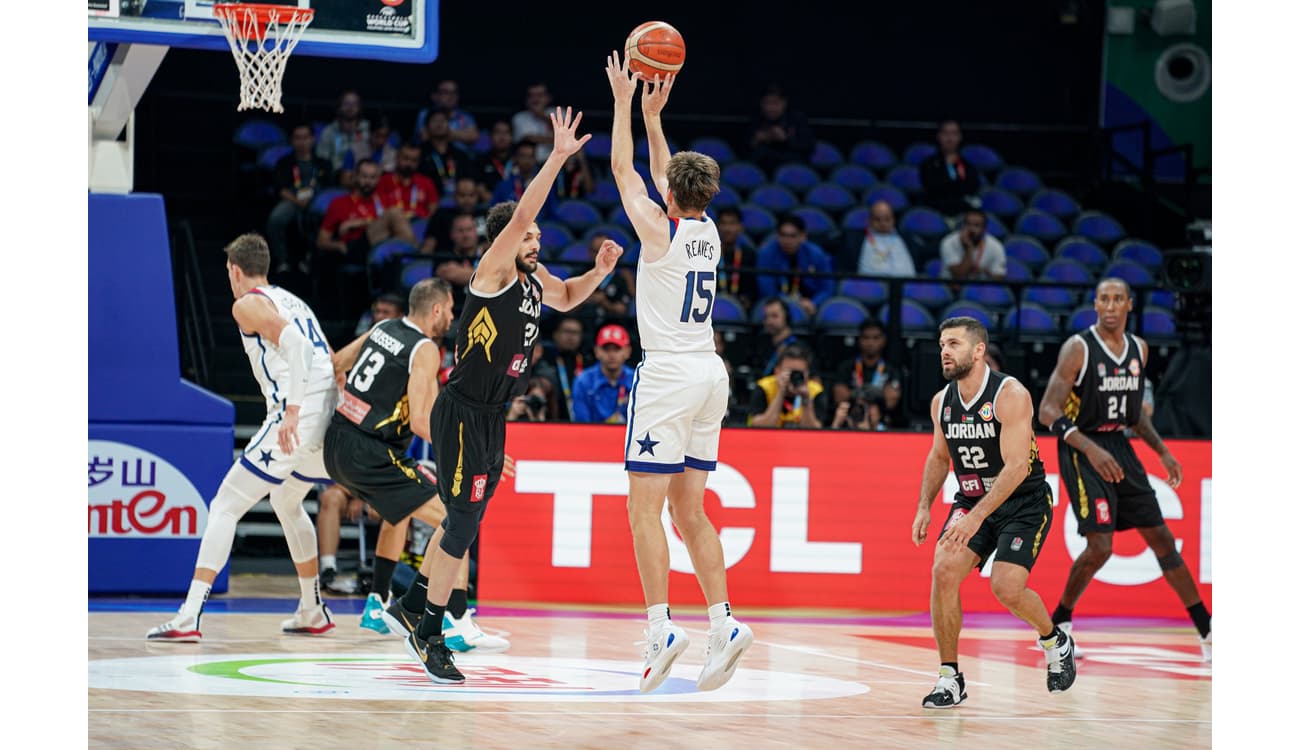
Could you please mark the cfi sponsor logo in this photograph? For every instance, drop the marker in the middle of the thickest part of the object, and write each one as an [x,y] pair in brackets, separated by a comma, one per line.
[134,493]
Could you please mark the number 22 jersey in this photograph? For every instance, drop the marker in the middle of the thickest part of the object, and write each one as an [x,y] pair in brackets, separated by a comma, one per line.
[974,435]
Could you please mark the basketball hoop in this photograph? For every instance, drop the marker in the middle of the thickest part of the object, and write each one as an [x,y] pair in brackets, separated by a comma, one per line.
[262,37]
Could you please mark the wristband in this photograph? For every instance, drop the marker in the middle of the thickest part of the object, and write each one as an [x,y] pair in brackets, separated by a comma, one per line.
[1062,427]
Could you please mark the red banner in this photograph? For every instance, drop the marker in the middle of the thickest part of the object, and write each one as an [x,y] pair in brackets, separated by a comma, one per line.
[806,519]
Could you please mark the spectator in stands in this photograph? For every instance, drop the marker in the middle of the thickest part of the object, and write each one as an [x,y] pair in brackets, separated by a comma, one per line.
[384,307]
[441,158]
[532,124]
[793,257]
[869,369]
[883,251]
[576,180]
[378,148]
[612,298]
[456,264]
[600,394]
[562,362]
[790,396]
[437,233]
[297,178]
[336,504]
[779,135]
[971,253]
[735,414]
[408,190]
[950,184]
[446,96]
[495,165]
[777,335]
[349,133]
[993,358]
[535,404]
[736,259]
[523,169]
[863,410]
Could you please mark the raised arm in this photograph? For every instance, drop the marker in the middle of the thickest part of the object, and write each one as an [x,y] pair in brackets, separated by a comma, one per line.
[569,293]
[648,219]
[653,99]
[257,314]
[498,262]
[933,476]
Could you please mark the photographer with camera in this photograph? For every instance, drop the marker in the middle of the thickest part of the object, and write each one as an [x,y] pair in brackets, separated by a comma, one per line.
[789,397]
[534,404]
[864,409]
[869,369]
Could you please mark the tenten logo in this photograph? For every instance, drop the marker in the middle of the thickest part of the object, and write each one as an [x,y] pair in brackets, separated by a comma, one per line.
[488,677]
[134,493]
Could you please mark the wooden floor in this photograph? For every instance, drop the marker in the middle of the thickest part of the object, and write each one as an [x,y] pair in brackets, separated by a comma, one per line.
[570,680]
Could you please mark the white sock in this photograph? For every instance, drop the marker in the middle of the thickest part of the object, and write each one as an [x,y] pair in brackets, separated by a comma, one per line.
[328,562]
[658,616]
[310,592]
[196,598]
[718,614]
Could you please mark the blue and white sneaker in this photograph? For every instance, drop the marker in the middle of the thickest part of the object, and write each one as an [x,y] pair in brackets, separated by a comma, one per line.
[463,635]
[725,647]
[661,650]
[372,615]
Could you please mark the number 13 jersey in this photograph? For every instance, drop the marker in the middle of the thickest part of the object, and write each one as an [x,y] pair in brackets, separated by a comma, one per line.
[375,398]
[674,295]
[974,435]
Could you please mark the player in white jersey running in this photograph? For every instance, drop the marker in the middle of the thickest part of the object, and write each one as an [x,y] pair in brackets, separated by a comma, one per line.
[679,393]
[291,361]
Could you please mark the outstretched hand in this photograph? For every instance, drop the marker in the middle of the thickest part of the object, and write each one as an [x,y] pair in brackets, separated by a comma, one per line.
[567,142]
[607,257]
[621,81]
[655,95]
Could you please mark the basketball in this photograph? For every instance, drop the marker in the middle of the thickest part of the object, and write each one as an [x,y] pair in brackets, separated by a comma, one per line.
[655,47]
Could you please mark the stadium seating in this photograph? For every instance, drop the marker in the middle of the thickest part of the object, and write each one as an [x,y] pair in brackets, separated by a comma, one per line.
[1018,180]
[853,177]
[889,194]
[797,178]
[1100,227]
[1055,202]
[873,155]
[1040,225]
[717,148]
[1082,250]
[743,176]
[983,158]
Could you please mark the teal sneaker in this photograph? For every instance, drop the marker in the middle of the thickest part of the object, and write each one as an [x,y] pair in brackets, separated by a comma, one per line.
[464,635]
[372,615]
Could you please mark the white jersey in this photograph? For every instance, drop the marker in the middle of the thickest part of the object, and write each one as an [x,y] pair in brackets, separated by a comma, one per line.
[674,295]
[270,369]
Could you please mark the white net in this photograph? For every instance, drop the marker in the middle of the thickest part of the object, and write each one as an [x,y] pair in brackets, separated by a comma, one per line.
[261,37]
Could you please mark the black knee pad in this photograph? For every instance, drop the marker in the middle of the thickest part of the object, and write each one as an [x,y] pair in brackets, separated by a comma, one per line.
[1170,561]
[459,529]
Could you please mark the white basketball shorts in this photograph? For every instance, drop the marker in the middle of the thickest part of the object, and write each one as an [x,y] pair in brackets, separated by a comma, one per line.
[675,413]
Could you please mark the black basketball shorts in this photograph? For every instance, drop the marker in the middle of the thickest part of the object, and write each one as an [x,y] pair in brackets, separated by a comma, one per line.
[1101,506]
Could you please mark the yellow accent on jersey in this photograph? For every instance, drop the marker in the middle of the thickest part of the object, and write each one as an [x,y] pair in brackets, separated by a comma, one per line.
[1083,491]
[1038,538]
[1072,403]
[397,461]
[483,331]
[1033,454]
[460,460]
[401,415]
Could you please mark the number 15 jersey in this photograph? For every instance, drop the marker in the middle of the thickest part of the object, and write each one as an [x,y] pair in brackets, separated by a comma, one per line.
[674,295]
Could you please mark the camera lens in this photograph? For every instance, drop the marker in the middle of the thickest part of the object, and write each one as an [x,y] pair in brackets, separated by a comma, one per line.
[796,377]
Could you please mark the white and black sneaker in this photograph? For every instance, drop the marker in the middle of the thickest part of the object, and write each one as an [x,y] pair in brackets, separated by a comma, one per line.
[1060,661]
[948,692]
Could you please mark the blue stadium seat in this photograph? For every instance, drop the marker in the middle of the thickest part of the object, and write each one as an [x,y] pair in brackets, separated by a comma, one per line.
[484,142]
[1135,275]
[561,272]
[1066,271]
[1099,227]
[1031,320]
[575,252]
[869,292]
[919,152]
[1140,252]
[391,250]
[758,221]
[825,156]
[853,177]
[1054,298]
[932,295]
[1082,317]
[598,147]
[1159,324]
[641,149]
[889,194]
[1055,202]
[743,176]
[727,197]
[774,198]
[830,198]
[933,268]
[855,221]
[1019,180]
[1001,203]
[1017,271]
[577,214]
[1027,250]
[719,149]
[983,158]
[604,194]
[414,271]
[797,178]
[256,135]
[925,222]
[321,202]
[916,320]
[1082,250]
[873,155]
[1041,226]
[797,315]
[272,154]
[995,227]
[905,177]
[618,216]
[840,314]
[820,225]
[1162,298]
[419,227]
[992,296]
[971,310]
[554,235]
[728,310]
[613,231]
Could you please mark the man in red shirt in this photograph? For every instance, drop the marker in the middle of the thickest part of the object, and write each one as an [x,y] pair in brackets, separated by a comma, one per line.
[407,189]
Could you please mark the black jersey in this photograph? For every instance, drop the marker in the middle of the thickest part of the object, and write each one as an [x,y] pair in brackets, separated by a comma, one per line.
[1107,395]
[973,433]
[494,342]
[375,400]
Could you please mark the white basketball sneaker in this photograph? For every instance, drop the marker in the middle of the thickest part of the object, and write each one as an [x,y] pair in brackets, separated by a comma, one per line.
[661,650]
[463,634]
[180,629]
[314,621]
[1067,627]
[1206,648]
[725,647]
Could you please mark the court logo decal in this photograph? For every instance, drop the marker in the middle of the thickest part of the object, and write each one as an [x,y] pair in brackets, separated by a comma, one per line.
[489,677]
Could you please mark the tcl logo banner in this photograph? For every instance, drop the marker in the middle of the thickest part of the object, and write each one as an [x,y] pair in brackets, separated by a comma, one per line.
[806,519]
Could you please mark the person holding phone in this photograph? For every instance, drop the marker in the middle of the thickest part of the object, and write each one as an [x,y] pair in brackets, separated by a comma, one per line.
[789,397]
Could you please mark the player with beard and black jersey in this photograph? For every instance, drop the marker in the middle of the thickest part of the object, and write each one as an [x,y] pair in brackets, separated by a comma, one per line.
[983,429]
[494,341]
[1094,393]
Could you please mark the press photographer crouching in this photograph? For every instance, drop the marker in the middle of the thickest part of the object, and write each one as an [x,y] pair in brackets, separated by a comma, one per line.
[533,405]
[790,396]
[864,409]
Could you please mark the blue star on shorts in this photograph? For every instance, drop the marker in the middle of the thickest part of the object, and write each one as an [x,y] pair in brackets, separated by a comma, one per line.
[266,458]
[647,445]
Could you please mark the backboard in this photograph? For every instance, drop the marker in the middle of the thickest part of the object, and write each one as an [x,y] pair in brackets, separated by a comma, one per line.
[392,30]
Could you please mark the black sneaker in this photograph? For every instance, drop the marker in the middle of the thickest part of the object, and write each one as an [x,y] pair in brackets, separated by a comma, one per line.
[949,691]
[1060,664]
[399,619]
[436,658]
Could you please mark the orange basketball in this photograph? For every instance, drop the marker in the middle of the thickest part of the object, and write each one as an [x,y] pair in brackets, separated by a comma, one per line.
[655,47]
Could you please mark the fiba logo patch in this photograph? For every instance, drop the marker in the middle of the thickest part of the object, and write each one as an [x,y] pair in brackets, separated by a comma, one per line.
[1134,368]
[480,488]
[986,411]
